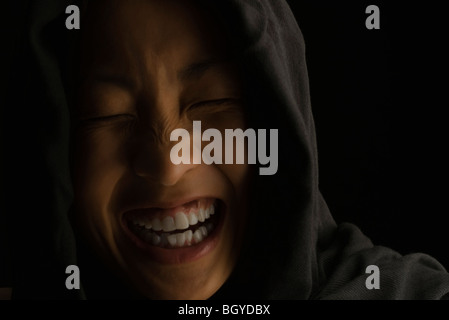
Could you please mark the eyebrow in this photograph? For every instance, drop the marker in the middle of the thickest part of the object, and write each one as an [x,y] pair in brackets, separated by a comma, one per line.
[197,69]
[118,80]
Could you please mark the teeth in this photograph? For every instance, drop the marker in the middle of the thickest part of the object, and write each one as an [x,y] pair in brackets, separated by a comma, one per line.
[146,222]
[156,224]
[197,236]
[172,240]
[180,239]
[155,239]
[201,215]
[168,224]
[181,221]
[188,234]
[203,231]
[193,219]
[164,240]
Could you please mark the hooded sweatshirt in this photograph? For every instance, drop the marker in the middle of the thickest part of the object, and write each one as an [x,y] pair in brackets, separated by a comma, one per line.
[294,248]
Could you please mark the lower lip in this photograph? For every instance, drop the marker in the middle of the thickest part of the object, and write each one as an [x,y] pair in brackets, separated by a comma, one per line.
[179,255]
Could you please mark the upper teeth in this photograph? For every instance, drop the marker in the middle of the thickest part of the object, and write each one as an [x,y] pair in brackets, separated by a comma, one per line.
[180,221]
[176,240]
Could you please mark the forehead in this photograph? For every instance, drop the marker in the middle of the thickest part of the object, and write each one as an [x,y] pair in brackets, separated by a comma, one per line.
[127,32]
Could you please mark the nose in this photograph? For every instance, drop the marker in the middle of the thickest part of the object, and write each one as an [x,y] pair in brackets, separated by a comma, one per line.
[152,162]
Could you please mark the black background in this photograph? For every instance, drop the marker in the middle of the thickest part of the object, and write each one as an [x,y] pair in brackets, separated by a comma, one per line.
[379,98]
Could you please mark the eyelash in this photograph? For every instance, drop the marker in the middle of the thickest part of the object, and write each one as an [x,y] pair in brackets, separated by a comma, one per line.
[107,119]
[118,120]
[218,102]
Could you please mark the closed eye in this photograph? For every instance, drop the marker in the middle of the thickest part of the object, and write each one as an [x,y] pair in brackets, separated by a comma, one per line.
[107,119]
[124,116]
[216,105]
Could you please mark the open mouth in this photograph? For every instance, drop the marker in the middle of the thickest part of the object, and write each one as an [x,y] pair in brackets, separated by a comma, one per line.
[180,227]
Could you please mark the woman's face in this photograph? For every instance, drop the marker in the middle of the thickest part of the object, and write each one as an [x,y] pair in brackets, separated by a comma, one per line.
[147,68]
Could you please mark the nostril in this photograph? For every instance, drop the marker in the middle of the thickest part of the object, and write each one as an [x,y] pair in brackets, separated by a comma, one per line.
[152,161]
[171,174]
[159,168]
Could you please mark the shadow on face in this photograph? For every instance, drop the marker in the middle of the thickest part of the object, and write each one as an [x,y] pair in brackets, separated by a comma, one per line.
[148,68]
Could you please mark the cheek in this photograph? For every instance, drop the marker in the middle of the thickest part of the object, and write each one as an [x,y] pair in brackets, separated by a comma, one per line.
[238,175]
[99,163]
[238,211]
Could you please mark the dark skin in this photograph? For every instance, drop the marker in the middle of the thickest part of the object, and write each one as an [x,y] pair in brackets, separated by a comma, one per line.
[149,67]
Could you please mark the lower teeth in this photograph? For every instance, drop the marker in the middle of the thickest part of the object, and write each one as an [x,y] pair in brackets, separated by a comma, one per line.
[176,240]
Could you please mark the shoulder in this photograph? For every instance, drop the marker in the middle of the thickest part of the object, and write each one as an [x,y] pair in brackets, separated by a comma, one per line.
[353,268]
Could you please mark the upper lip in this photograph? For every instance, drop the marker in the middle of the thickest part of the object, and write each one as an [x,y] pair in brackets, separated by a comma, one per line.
[171,204]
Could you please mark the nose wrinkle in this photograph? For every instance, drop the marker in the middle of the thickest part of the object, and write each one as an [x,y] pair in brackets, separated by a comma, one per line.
[161,131]
[155,161]
[165,119]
